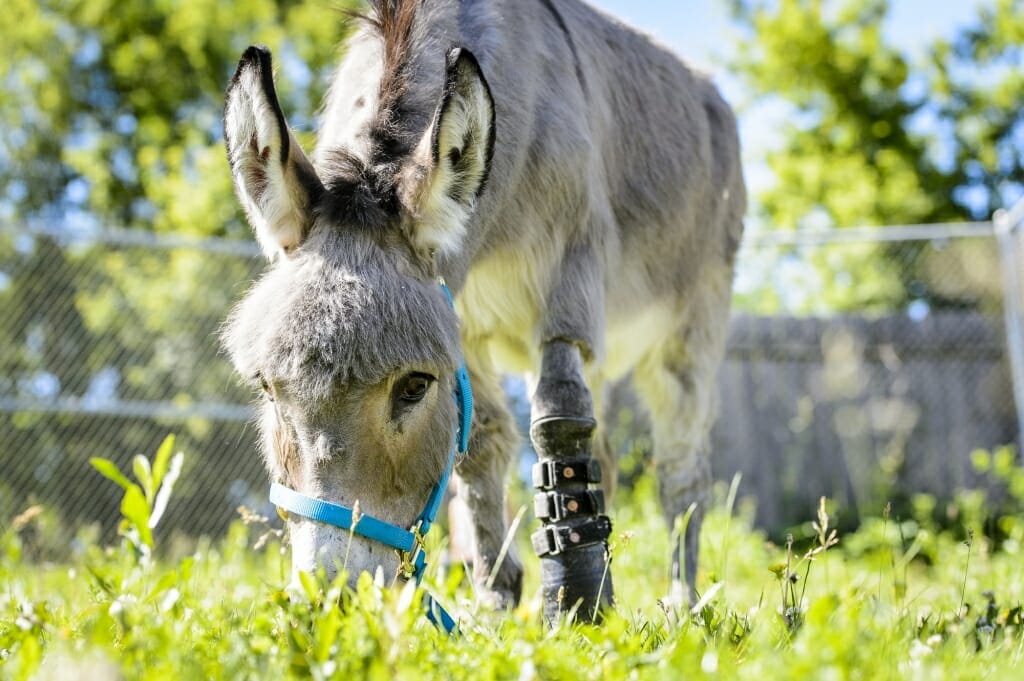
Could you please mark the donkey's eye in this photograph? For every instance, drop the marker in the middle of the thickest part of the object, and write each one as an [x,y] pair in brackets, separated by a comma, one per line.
[413,387]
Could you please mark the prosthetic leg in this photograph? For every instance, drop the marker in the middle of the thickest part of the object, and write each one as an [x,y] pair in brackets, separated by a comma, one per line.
[572,542]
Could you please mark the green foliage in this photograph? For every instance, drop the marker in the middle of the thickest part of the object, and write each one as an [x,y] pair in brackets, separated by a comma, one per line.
[877,136]
[849,151]
[111,118]
[220,611]
[126,97]
[854,149]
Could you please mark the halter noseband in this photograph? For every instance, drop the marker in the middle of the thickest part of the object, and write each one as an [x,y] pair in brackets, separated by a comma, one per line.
[408,543]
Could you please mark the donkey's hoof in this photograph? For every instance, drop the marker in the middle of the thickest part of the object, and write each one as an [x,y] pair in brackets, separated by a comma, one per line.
[679,599]
[497,599]
[505,590]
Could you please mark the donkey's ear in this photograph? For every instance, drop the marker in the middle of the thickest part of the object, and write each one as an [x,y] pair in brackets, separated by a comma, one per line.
[457,154]
[273,178]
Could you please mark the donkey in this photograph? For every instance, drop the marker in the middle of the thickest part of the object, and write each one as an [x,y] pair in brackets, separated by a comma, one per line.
[579,189]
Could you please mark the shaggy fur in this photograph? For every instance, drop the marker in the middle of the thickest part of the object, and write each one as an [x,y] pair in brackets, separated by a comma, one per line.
[610,221]
[327,318]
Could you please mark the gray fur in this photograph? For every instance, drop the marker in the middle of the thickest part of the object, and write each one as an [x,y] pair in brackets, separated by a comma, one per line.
[610,220]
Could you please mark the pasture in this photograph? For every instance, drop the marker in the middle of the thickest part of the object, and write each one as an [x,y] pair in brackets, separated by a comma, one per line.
[874,358]
[899,598]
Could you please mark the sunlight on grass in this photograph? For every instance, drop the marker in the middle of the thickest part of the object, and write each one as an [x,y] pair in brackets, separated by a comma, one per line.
[885,602]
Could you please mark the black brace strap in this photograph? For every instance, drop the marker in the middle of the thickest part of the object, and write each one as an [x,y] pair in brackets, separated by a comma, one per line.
[555,539]
[550,474]
[555,506]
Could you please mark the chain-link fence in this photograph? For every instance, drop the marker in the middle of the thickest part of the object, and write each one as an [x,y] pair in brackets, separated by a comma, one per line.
[109,343]
[862,363]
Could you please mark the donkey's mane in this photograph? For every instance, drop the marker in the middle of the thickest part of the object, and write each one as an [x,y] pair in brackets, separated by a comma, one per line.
[394,21]
[364,191]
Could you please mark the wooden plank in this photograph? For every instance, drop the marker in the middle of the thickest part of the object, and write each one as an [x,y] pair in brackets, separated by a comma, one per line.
[935,386]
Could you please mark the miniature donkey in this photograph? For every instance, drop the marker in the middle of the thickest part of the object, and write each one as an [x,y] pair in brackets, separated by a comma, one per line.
[579,189]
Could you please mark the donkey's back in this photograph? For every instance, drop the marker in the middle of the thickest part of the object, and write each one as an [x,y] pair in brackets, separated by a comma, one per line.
[661,143]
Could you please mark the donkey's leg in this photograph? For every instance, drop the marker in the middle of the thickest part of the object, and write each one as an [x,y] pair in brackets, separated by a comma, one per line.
[677,383]
[480,484]
[572,542]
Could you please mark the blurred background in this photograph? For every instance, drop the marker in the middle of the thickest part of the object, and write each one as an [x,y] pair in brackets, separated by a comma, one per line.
[877,328]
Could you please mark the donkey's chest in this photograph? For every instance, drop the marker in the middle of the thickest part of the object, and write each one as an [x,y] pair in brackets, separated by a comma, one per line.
[501,303]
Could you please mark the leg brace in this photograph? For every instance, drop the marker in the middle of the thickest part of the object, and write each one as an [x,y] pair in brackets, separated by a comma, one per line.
[572,541]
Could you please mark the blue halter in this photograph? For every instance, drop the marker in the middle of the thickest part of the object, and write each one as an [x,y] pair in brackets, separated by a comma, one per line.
[408,543]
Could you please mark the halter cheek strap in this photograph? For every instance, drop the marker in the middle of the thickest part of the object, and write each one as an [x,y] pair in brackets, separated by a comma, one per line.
[408,543]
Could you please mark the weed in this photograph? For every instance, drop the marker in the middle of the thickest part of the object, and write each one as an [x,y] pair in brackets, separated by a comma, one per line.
[788,572]
[969,542]
[144,501]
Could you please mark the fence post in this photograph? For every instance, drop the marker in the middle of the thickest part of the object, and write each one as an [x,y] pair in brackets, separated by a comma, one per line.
[1009,229]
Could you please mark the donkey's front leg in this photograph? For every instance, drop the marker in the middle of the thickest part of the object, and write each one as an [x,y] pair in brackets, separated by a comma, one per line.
[573,540]
[480,484]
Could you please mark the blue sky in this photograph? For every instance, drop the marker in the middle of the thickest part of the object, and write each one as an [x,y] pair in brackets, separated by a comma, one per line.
[701,32]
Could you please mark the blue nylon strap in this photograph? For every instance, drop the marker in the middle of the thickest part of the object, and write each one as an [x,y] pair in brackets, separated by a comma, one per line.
[438,616]
[426,518]
[464,396]
[447,294]
[340,516]
[463,392]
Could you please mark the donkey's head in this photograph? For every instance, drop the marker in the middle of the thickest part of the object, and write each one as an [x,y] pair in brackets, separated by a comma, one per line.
[348,335]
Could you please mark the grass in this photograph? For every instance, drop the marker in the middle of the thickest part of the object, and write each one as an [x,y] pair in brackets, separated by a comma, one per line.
[896,599]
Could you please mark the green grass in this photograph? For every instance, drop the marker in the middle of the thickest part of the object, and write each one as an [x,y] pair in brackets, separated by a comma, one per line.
[893,600]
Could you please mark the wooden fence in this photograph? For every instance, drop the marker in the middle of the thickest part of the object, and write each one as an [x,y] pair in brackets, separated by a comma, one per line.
[859,410]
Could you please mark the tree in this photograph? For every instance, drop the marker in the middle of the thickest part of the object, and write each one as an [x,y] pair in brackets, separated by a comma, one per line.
[878,139]
[111,119]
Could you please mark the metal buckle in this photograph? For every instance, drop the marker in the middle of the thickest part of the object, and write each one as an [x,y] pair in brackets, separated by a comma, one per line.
[544,543]
[552,540]
[552,473]
[407,560]
[556,506]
